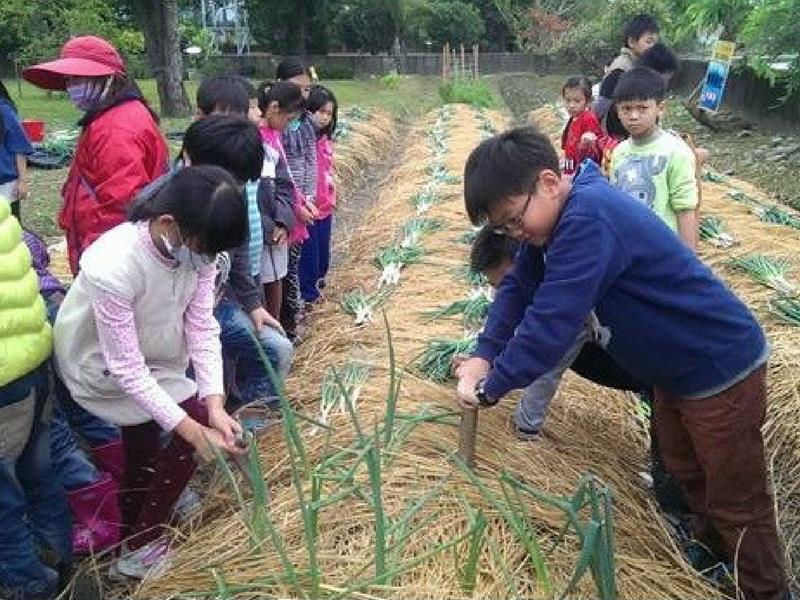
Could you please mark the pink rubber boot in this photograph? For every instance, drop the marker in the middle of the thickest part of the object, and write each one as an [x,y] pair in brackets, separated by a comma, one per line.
[95,509]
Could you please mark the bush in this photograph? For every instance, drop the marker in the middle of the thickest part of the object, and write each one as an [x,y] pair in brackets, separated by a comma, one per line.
[468,91]
[390,80]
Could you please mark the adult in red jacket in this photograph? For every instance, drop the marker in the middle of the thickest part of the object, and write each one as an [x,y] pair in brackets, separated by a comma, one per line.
[120,149]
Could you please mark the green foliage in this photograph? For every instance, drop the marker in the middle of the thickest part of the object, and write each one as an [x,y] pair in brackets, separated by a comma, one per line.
[468,91]
[390,80]
[366,27]
[455,22]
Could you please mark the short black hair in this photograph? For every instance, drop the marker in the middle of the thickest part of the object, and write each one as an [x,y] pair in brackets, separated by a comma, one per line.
[318,97]
[206,204]
[288,95]
[223,93]
[659,58]
[490,249]
[505,165]
[639,26]
[249,88]
[233,143]
[291,66]
[640,83]
[578,82]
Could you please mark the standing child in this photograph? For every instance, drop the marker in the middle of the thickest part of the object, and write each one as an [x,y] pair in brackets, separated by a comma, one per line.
[581,137]
[14,146]
[315,259]
[300,145]
[33,508]
[138,314]
[280,103]
[674,325]
[655,167]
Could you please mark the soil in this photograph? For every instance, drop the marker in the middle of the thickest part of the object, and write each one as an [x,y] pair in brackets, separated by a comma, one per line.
[763,154]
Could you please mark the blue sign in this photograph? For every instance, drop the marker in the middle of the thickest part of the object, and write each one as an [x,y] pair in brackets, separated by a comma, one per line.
[714,85]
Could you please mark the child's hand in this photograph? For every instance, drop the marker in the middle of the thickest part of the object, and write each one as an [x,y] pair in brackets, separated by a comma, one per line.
[312,208]
[305,215]
[279,235]
[22,189]
[458,360]
[588,138]
[204,439]
[261,319]
[221,421]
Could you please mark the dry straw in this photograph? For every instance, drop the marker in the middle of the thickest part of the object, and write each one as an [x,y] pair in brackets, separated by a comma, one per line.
[417,525]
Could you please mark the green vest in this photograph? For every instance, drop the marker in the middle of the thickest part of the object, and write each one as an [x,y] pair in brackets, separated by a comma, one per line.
[25,336]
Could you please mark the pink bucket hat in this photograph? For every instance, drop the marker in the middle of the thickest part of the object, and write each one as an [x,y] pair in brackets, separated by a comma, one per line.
[85,56]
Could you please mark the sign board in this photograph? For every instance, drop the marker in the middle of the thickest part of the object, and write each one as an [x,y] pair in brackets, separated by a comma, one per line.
[717,76]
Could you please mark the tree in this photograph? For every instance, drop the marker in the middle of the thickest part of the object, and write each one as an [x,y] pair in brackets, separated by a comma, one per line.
[291,26]
[772,31]
[366,28]
[454,22]
[159,21]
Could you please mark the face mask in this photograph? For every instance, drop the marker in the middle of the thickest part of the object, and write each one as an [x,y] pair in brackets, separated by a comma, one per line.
[186,257]
[294,124]
[86,93]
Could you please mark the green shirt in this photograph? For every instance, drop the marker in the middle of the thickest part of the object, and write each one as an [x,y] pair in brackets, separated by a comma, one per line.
[659,172]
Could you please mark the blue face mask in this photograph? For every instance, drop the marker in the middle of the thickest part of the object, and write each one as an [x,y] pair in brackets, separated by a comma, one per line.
[295,123]
[185,256]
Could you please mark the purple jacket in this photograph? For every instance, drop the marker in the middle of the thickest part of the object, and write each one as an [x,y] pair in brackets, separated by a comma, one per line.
[48,283]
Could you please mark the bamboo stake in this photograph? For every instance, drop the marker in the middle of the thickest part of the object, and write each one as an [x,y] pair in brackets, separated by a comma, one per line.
[463,63]
[466,436]
[476,60]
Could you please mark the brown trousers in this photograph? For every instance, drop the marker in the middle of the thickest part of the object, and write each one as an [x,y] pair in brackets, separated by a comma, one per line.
[714,448]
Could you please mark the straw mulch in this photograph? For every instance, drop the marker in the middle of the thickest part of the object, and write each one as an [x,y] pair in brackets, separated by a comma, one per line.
[589,429]
[782,427]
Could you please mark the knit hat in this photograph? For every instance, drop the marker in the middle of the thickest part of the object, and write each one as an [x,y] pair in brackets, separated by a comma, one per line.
[85,56]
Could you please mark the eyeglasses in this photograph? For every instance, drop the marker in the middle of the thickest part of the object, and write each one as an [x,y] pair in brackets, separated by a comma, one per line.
[515,223]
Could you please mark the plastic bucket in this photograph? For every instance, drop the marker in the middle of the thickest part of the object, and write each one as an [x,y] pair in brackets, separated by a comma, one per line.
[34,130]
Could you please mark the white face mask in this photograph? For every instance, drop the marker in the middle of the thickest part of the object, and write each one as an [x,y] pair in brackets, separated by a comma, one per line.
[184,256]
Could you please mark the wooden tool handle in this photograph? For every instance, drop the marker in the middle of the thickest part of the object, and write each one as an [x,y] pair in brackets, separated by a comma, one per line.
[467,435]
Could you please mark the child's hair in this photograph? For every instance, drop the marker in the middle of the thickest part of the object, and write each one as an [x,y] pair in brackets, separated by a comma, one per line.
[490,250]
[206,204]
[230,142]
[659,58]
[318,97]
[291,66]
[505,165]
[580,82]
[639,26]
[223,93]
[640,83]
[288,95]
[4,95]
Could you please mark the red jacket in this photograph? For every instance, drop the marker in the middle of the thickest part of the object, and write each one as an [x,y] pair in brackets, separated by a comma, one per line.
[574,152]
[118,153]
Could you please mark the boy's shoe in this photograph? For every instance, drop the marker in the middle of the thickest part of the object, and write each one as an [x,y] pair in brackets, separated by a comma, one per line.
[151,560]
[524,434]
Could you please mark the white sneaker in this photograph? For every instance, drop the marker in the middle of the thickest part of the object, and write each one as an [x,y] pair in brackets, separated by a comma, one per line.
[151,560]
[188,507]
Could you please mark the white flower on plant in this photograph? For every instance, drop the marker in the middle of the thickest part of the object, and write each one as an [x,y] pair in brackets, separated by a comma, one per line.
[390,274]
[363,314]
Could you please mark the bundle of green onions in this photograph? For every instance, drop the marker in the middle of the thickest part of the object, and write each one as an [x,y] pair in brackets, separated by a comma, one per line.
[786,309]
[474,308]
[712,230]
[391,259]
[770,272]
[436,362]
[424,199]
[417,227]
[740,196]
[340,387]
[357,113]
[360,305]
[467,275]
[774,214]
[61,143]
[714,177]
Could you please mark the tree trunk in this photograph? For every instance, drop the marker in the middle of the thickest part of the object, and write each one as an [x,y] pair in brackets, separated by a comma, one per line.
[162,40]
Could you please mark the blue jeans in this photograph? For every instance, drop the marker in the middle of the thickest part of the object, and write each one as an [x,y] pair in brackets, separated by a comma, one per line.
[315,258]
[33,508]
[238,347]
[90,428]
[71,465]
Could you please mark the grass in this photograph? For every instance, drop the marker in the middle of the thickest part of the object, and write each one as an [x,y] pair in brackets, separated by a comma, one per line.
[476,92]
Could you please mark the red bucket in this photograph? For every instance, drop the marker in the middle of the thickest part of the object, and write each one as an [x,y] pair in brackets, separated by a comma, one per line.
[34,130]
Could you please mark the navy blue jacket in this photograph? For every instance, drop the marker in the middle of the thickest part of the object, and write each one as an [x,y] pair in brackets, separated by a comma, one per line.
[673,323]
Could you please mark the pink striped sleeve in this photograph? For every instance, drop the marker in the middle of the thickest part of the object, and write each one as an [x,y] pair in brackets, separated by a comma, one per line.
[119,344]
[202,336]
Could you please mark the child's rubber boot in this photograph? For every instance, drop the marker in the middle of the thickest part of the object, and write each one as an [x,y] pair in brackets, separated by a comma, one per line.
[110,458]
[96,514]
